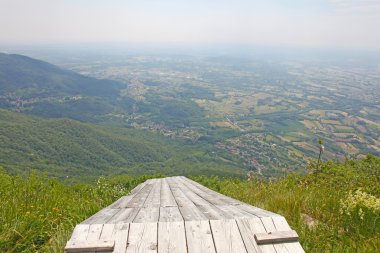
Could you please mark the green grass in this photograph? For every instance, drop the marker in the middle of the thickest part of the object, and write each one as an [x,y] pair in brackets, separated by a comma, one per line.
[38,213]
[346,220]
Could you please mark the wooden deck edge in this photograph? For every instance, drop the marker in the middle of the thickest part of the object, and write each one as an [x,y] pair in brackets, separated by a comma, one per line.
[276,237]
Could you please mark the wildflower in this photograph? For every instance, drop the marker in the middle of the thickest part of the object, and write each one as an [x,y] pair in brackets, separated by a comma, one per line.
[359,201]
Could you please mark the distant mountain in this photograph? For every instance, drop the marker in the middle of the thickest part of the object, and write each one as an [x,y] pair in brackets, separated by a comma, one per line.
[37,87]
[64,147]
[26,76]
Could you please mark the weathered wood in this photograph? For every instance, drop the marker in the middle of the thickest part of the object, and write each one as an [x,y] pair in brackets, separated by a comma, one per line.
[180,198]
[235,212]
[126,215]
[94,232]
[191,213]
[101,217]
[138,188]
[179,215]
[142,238]
[91,246]
[211,198]
[120,235]
[256,211]
[282,225]
[122,202]
[199,238]
[107,232]
[269,227]
[276,237]
[214,213]
[225,199]
[153,199]
[167,198]
[171,237]
[170,214]
[248,228]
[148,214]
[79,235]
[227,236]
[139,199]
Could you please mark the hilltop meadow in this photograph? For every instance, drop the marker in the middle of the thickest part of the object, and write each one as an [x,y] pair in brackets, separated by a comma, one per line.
[334,209]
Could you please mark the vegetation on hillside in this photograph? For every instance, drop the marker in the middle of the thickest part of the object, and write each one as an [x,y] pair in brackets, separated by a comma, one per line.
[68,148]
[39,213]
[28,78]
[334,209]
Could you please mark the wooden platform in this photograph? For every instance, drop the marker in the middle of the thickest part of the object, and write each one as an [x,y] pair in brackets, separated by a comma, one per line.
[176,214]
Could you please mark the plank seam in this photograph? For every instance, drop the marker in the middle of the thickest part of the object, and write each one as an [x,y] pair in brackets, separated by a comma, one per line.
[212,235]
[245,246]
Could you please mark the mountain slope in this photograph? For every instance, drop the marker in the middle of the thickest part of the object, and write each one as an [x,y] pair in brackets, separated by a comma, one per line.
[64,147]
[28,76]
[40,88]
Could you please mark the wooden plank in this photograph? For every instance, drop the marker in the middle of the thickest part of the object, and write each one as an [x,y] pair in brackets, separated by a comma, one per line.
[120,235]
[227,236]
[94,232]
[235,212]
[214,213]
[191,213]
[126,215]
[256,211]
[269,227]
[79,234]
[198,236]
[122,202]
[167,198]
[138,188]
[171,237]
[276,237]
[142,238]
[153,199]
[101,217]
[225,199]
[211,198]
[148,214]
[282,225]
[196,199]
[91,246]
[170,214]
[107,232]
[180,198]
[139,199]
[249,227]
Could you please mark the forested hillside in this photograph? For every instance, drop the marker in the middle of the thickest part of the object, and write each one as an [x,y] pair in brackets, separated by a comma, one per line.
[68,148]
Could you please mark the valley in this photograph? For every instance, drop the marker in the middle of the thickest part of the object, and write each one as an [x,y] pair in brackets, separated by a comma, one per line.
[265,116]
[269,114]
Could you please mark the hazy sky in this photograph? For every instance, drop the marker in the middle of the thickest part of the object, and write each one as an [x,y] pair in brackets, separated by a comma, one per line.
[309,23]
